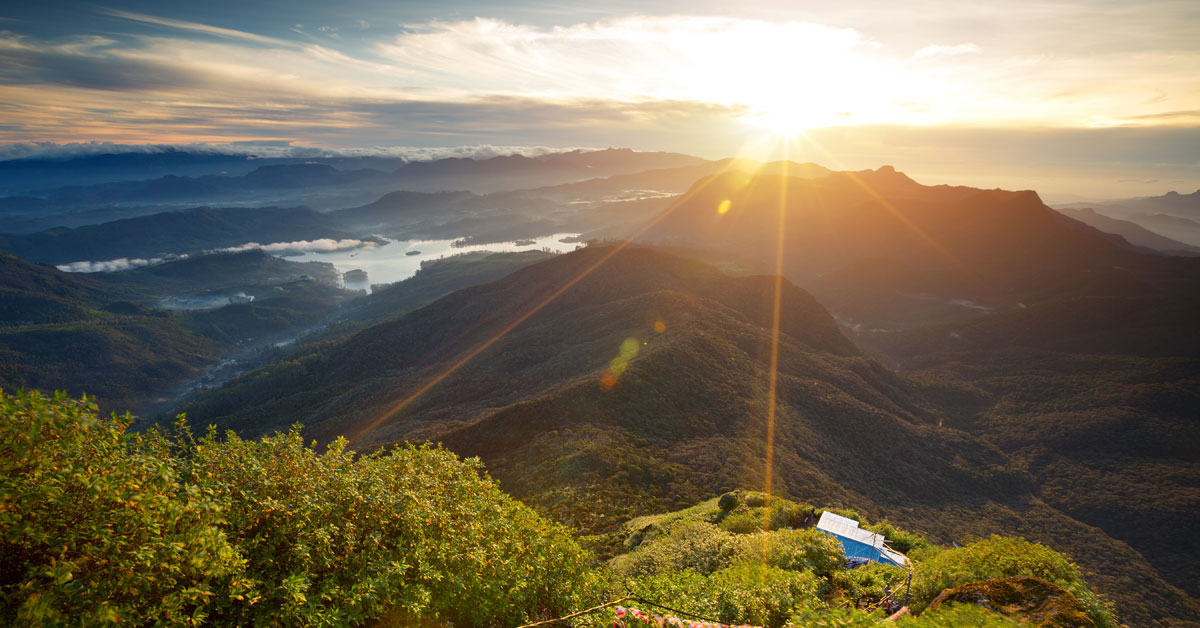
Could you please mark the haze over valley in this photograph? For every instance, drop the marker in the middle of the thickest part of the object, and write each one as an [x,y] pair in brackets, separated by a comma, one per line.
[488,316]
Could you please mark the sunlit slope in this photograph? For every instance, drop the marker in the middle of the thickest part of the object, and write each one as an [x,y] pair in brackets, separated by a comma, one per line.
[589,439]
[880,249]
[175,232]
[572,337]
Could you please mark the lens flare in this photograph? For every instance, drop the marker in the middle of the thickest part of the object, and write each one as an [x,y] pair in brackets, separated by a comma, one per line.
[723,208]
[618,365]
[629,348]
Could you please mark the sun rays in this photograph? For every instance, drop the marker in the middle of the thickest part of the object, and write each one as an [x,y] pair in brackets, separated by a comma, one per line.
[441,376]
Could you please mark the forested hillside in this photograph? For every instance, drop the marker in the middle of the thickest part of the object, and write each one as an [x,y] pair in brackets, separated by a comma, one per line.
[642,387]
[167,527]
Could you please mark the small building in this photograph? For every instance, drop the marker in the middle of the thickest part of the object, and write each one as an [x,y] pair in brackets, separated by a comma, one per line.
[859,545]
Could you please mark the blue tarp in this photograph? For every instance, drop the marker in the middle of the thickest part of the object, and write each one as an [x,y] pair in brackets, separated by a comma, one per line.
[859,545]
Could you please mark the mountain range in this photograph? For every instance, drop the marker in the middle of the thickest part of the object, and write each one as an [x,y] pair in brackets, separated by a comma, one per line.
[964,362]
[883,251]
[1172,215]
[643,385]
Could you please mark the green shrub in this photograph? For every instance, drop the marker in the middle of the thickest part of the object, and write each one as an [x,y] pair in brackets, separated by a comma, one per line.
[96,526]
[899,540]
[688,545]
[746,521]
[728,502]
[794,550]
[336,538]
[1004,557]
[99,526]
[866,583]
[755,500]
[752,593]
[747,593]
[952,616]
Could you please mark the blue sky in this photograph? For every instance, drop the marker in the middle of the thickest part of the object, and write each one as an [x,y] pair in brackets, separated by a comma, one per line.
[1058,95]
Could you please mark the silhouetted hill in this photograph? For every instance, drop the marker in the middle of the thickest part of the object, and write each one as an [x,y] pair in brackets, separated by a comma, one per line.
[1172,215]
[1136,234]
[172,233]
[40,173]
[643,385]
[22,204]
[181,188]
[397,209]
[305,175]
[514,172]
[1184,229]
[221,271]
[458,173]
[884,251]
[672,180]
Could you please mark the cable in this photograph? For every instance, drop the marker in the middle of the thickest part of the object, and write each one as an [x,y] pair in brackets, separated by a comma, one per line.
[676,611]
[574,615]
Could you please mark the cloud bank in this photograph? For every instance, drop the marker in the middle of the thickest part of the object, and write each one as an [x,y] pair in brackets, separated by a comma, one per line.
[322,245]
[271,149]
[116,265]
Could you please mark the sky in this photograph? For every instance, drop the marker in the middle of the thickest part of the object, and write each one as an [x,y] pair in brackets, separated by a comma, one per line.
[1069,97]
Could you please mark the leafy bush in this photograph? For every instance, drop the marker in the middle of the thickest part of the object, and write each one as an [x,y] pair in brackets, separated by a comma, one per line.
[746,521]
[1004,557]
[728,502]
[747,593]
[335,538]
[952,616]
[899,540]
[689,545]
[795,550]
[779,575]
[96,526]
[866,584]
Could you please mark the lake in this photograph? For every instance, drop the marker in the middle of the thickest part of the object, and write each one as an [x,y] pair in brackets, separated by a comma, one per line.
[392,262]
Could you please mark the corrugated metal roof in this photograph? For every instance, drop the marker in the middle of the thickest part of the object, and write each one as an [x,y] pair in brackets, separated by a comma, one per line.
[842,526]
[848,528]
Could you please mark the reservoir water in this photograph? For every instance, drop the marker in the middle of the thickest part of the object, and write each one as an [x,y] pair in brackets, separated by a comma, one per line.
[400,259]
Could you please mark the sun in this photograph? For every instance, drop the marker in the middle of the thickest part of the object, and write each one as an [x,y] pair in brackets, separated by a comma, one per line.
[793,116]
[783,121]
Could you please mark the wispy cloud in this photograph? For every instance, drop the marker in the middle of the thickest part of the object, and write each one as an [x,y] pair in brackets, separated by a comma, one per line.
[649,78]
[322,245]
[195,27]
[116,265]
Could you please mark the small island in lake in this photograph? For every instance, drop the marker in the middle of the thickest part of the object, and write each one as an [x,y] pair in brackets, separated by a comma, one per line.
[525,242]
[413,253]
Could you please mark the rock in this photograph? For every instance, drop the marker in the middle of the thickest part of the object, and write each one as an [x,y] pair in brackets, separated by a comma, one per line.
[1041,603]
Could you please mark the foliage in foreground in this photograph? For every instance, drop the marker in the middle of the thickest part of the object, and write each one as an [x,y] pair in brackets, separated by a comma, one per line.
[743,559]
[97,524]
